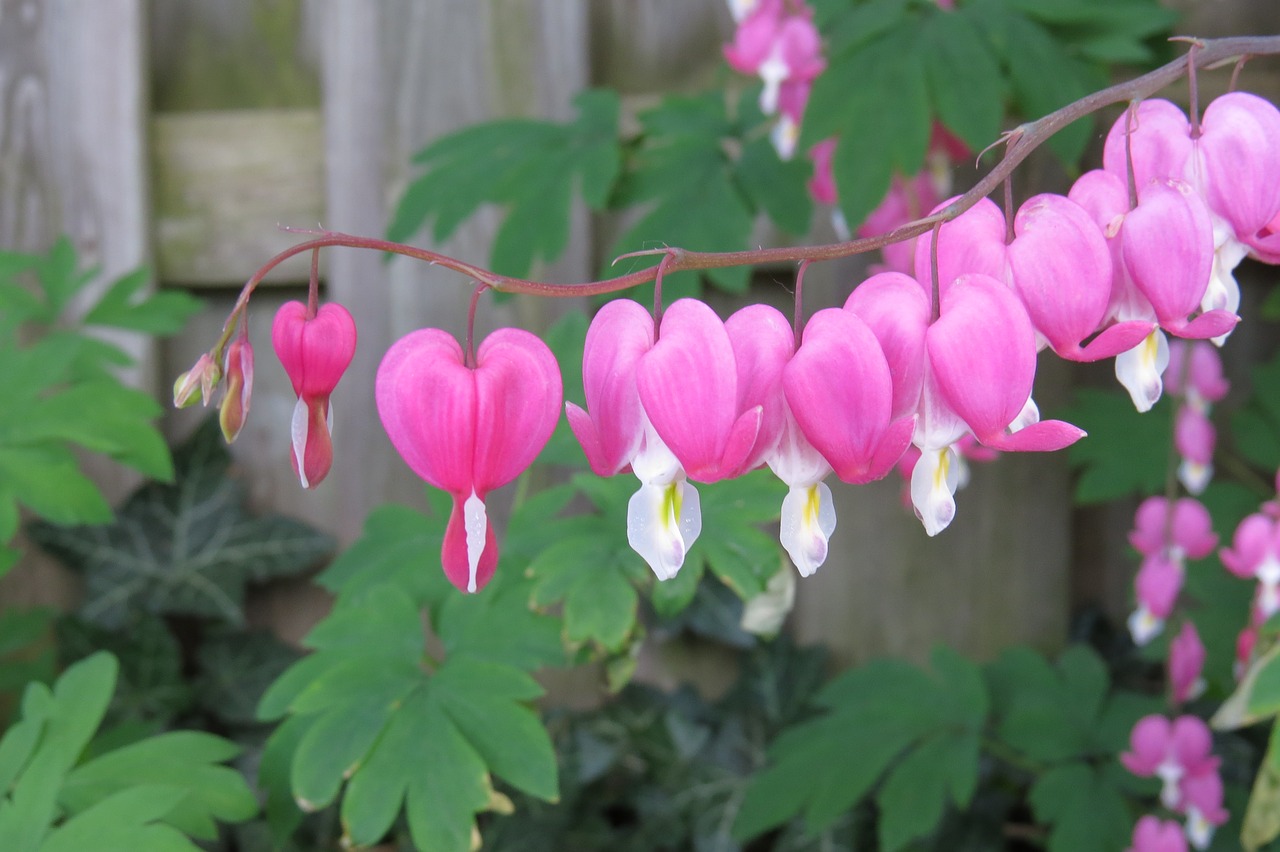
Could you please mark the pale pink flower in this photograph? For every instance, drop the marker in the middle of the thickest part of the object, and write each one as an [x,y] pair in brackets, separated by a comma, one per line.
[1156,835]
[1186,665]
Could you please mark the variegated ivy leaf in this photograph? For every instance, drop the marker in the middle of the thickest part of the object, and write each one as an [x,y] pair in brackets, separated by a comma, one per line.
[189,548]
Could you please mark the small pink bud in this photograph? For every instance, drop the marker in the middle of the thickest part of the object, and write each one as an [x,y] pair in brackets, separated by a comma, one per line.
[235,401]
[197,384]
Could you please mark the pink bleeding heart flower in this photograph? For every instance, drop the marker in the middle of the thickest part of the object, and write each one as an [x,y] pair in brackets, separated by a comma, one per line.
[1158,134]
[238,369]
[1265,244]
[1061,267]
[1194,438]
[763,345]
[1202,802]
[1188,534]
[1186,665]
[908,199]
[1171,751]
[1156,835]
[972,243]
[1156,587]
[197,384]
[664,516]
[1246,642]
[1255,555]
[315,351]
[840,390]
[822,185]
[982,362]
[688,384]
[468,429]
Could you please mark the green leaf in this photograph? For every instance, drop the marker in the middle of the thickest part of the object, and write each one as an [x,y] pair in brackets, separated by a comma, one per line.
[1257,423]
[125,820]
[235,671]
[878,712]
[1085,806]
[187,761]
[732,545]
[528,167]
[124,305]
[776,186]
[47,480]
[965,84]
[1125,452]
[188,548]
[592,575]
[686,181]
[400,736]
[884,79]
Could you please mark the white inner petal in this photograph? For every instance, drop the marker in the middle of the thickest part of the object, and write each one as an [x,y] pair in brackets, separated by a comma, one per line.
[808,520]
[1144,626]
[475,521]
[663,522]
[1195,476]
[298,428]
[1198,829]
[1139,369]
[934,480]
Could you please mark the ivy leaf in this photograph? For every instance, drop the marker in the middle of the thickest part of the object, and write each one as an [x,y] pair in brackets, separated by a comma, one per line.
[1085,805]
[402,737]
[528,167]
[188,548]
[1124,453]
[235,671]
[150,687]
[683,176]
[907,726]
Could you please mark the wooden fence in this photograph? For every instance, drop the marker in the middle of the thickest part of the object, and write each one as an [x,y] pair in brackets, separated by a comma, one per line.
[178,135]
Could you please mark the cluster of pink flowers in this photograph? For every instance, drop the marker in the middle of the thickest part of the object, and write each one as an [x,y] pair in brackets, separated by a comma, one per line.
[1180,754]
[777,41]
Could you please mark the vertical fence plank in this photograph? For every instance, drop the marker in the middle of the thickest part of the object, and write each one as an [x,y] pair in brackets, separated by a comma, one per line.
[72,161]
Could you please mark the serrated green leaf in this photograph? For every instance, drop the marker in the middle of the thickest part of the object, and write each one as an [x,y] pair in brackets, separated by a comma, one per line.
[965,84]
[885,79]
[126,819]
[915,793]
[398,545]
[776,186]
[48,480]
[124,305]
[188,761]
[732,545]
[1125,452]
[592,577]
[1085,807]
[187,548]
[283,814]
[529,167]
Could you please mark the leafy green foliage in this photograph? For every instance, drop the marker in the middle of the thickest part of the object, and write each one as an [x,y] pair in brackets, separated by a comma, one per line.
[54,369]
[187,548]
[1256,424]
[529,167]
[150,795]
[1125,452]
[663,770]
[376,712]
[917,731]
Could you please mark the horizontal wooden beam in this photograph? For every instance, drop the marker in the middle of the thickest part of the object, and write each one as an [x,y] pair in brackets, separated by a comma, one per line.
[225,182]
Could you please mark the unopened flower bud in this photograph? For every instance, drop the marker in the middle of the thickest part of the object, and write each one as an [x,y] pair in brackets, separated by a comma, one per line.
[235,402]
[197,384]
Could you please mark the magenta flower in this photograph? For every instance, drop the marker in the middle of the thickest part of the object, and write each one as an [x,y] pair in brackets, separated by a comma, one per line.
[1188,534]
[1156,587]
[468,429]
[315,351]
[1194,438]
[822,185]
[1255,554]
[908,199]
[1171,751]
[1202,802]
[1156,835]
[663,517]
[1186,665]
